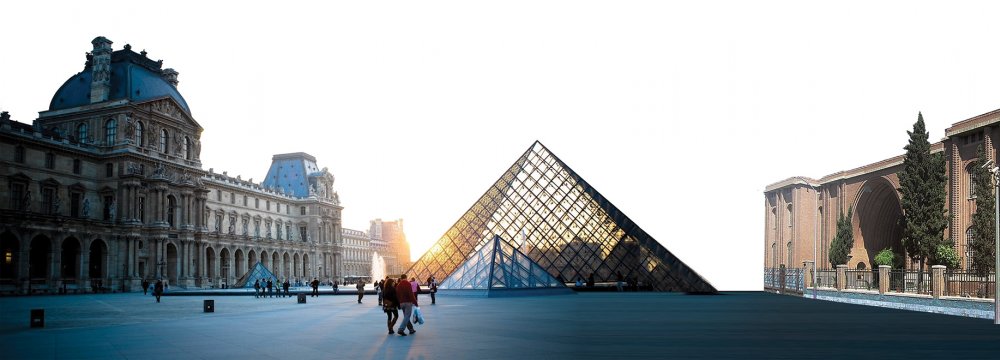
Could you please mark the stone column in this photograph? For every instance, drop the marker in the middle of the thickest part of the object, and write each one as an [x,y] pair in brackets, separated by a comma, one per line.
[883,278]
[841,276]
[937,280]
[810,267]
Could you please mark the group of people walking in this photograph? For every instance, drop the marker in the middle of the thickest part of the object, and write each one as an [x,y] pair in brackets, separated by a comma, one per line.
[395,295]
[268,288]
[158,288]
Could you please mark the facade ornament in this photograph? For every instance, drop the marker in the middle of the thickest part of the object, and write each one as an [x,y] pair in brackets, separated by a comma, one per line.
[196,149]
[114,209]
[336,198]
[129,128]
[26,200]
[56,204]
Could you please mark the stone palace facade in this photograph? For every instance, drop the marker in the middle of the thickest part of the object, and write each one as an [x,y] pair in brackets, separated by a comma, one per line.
[106,188]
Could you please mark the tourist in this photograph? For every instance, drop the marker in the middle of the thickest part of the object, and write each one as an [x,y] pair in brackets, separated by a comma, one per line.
[579,282]
[285,285]
[315,286]
[378,291]
[404,293]
[621,281]
[390,304]
[590,280]
[361,290]
[256,288]
[270,288]
[158,289]
[336,287]
[145,286]
[432,287]
[415,286]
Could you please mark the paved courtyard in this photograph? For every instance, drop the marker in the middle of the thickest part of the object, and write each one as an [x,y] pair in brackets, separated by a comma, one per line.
[584,325]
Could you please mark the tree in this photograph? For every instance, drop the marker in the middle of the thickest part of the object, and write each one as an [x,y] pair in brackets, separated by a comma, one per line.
[983,237]
[842,243]
[885,257]
[922,184]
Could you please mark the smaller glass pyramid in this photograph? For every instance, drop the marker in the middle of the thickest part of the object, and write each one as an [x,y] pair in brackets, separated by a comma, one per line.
[499,265]
[260,272]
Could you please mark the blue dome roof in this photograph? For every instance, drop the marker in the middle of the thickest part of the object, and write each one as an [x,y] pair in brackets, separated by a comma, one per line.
[133,77]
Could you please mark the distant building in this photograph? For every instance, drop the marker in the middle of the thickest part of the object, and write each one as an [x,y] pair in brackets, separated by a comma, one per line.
[800,213]
[389,236]
[106,188]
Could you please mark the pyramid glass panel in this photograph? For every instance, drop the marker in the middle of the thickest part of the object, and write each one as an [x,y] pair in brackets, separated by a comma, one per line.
[259,272]
[499,265]
[559,223]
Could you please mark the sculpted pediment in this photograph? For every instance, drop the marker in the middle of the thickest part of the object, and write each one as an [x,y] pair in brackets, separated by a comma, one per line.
[169,108]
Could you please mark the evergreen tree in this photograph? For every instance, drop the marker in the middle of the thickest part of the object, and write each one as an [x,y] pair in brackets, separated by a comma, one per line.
[983,220]
[841,245]
[922,184]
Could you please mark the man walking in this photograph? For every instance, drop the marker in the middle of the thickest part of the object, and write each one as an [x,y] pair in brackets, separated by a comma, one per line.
[361,290]
[158,289]
[315,286]
[406,299]
[145,286]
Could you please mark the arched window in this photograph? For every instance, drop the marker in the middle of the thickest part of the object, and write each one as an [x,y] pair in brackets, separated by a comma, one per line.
[790,218]
[971,176]
[969,240]
[164,140]
[138,135]
[774,254]
[110,132]
[788,260]
[186,150]
[82,133]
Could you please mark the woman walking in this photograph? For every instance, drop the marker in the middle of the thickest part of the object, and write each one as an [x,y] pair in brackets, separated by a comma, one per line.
[390,304]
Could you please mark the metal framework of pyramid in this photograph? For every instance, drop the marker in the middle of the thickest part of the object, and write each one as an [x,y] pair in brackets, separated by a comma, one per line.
[259,272]
[560,222]
[498,265]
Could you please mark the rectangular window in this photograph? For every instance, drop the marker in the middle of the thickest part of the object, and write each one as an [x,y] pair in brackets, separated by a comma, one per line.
[256,203]
[218,196]
[48,200]
[244,200]
[256,228]
[278,229]
[232,198]
[74,204]
[76,166]
[19,154]
[17,196]
[109,170]
[218,222]
[269,205]
[302,210]
[288,230]
[50,161]
[107,208]
[302,233]
[141,209]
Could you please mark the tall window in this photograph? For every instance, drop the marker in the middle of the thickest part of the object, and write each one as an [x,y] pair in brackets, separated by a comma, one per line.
[141,209]
[164,140]
[972,182]
[48,200]
[74,204]
[108,203]
[186,148]
[83,133]
[788,260]
[110,132]
[171,203]
[17,191]
[288,230]
[302,210]
[790,218]
[278,229]
[302,233]
[256,203]
[138,135]
[246,226]
[218,223]
[76,166]
[256,228]
[19,154]
[244,200]
[109,170]
[50,161]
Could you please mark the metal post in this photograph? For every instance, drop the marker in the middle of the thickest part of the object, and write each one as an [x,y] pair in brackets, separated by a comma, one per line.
[996,243]
[815,243]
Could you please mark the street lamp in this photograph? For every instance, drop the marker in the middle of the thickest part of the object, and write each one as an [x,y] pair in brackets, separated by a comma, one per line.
[995,176]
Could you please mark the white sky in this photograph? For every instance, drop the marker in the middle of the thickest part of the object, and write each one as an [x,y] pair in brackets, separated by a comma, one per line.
[679,113]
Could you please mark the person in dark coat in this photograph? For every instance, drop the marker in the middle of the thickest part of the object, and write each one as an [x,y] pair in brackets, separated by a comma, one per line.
[336,287]
[270,288]
[361,290]
[315,286]
[285,285]
[158,289]
[145,286]
[432,287]
[404,292]
[256,288]
[390,303]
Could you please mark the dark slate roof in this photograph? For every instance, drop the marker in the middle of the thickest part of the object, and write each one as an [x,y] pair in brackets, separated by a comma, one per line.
[291,172]
[133,76]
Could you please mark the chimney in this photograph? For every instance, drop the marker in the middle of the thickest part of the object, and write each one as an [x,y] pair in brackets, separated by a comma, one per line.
[100,85]
[170,75]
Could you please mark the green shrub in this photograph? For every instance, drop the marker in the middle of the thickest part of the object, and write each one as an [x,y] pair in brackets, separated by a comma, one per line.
[945,255]
[885,257]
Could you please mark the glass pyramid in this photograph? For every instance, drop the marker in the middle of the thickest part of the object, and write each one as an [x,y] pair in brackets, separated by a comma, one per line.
[560,222]
[498,265]
[260,272]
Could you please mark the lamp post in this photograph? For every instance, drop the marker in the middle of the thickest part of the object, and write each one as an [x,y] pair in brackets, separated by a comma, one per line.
[124,277]
[160,264]
[995,177]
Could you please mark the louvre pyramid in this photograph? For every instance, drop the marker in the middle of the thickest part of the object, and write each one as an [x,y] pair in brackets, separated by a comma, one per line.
[498,265]
[560,222]
[260,272]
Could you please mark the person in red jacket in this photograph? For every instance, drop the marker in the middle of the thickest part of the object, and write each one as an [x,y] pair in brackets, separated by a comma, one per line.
[406,299]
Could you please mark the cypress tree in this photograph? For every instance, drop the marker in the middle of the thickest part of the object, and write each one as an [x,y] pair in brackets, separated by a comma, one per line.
[983,220]
[841,245]
[922,184]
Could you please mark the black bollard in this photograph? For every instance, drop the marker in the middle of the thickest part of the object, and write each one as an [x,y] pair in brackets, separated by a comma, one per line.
[37,318]
[302,298]
[209,306]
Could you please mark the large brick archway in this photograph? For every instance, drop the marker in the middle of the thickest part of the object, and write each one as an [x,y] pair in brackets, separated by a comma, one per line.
[876,222]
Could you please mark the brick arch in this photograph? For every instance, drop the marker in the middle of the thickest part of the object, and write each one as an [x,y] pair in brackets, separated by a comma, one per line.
[875,221]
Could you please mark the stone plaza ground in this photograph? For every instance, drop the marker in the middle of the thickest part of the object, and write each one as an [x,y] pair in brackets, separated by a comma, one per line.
[579,326]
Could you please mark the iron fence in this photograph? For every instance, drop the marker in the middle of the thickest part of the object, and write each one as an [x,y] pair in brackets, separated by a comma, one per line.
[969,284]
[861,279]
[784,279]
[826,278]
[910,281]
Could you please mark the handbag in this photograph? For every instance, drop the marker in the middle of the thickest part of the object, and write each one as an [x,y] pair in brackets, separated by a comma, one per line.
[417,316]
